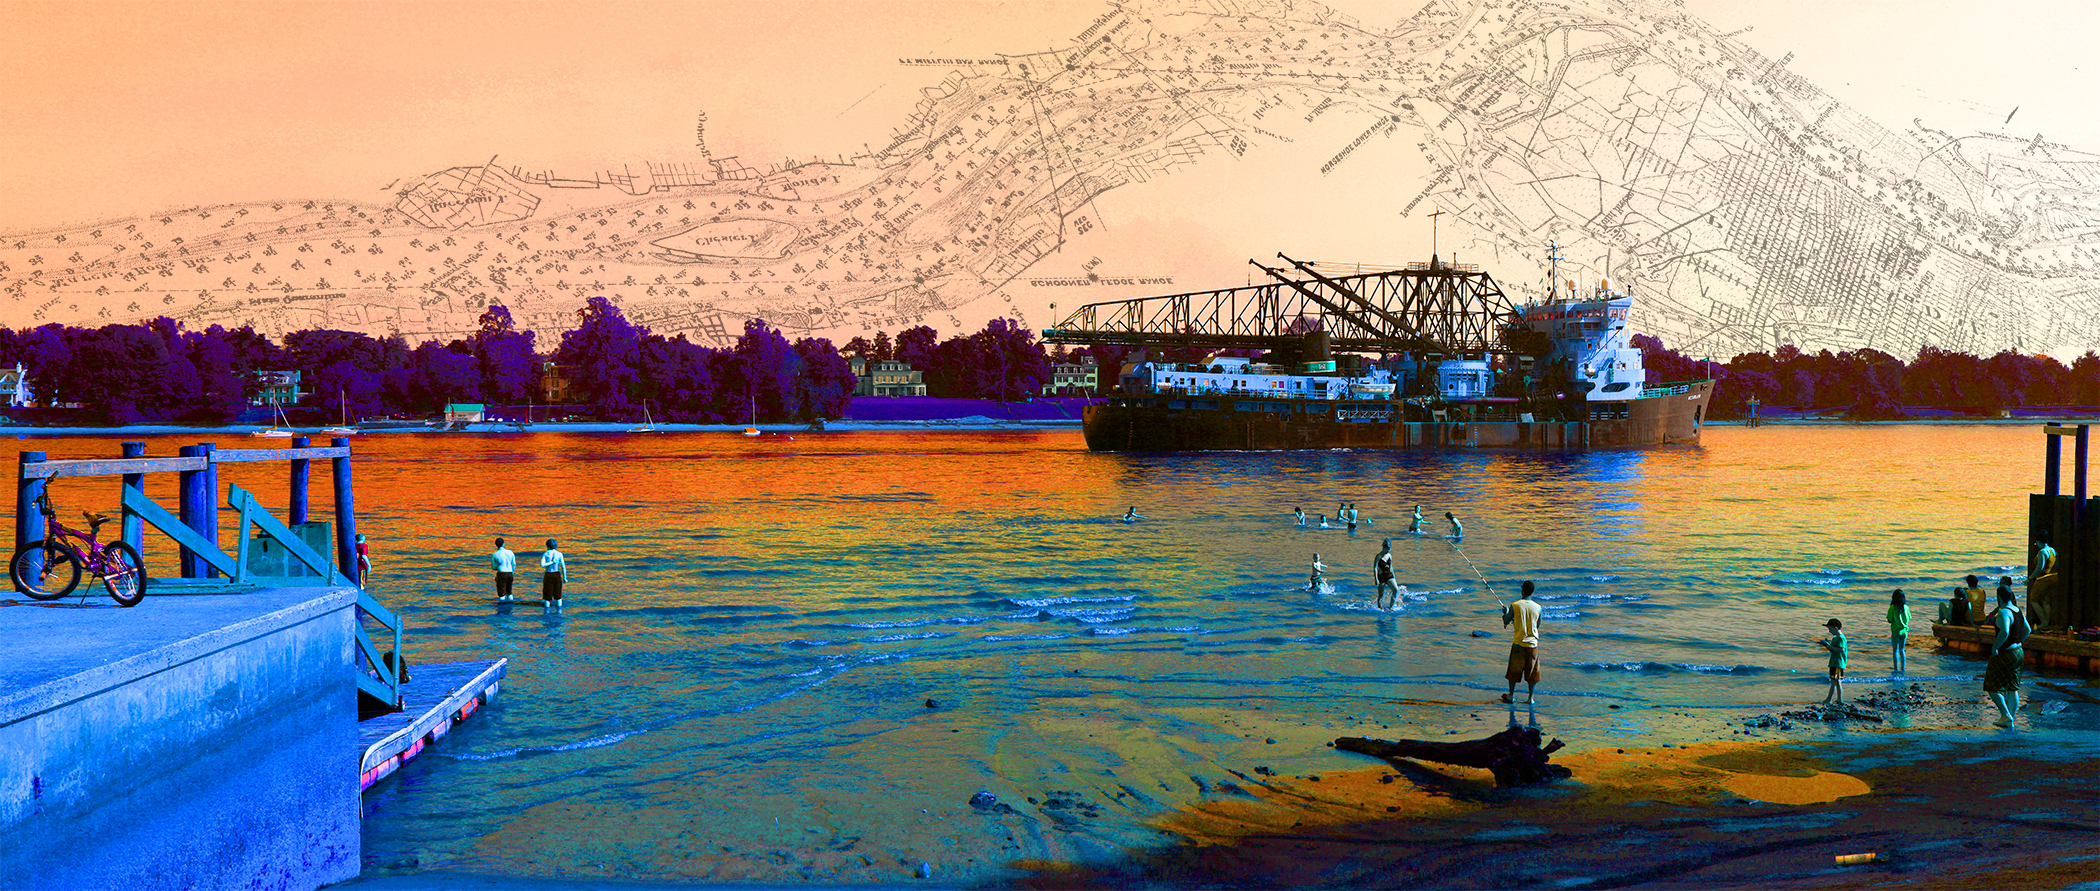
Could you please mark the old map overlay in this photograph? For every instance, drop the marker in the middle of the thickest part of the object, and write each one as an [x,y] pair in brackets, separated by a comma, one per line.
[1742,206]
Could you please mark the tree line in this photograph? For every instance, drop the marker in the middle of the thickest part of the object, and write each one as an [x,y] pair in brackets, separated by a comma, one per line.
[161,372]
[1868,384]
[158,371]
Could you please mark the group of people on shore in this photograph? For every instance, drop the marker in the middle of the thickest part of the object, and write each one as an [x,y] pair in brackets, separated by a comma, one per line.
[2001,675]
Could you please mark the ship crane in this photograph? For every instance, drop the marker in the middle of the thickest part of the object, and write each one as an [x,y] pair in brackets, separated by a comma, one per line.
[1434,307]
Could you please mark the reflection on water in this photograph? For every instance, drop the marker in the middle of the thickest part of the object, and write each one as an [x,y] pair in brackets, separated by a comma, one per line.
[797,659]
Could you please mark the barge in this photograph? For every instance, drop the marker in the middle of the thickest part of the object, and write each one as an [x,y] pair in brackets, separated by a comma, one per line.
[1562,375]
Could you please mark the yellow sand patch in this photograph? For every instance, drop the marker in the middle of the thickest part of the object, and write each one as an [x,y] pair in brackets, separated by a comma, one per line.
[1693,775]
[1699,774]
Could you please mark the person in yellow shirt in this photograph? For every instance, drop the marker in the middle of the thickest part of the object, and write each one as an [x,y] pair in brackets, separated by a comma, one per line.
[2042,580]
[1523,645]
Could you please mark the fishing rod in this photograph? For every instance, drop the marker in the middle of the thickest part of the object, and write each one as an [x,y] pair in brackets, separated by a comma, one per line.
[1476,571]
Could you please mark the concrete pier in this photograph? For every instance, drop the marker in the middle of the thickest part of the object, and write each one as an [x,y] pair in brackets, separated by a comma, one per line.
[198,742]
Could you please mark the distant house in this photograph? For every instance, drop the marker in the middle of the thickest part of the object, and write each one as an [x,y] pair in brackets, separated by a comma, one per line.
[554,384]
[885,377]
[278,388]
[14,387]
[1073,378]
[465,413]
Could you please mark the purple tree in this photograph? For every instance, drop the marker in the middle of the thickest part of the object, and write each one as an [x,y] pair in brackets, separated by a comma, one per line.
[764,378]
[1010,363]
[602,358]
[825,385]
[680,376]
[916,347]
[510,370]
[442,375]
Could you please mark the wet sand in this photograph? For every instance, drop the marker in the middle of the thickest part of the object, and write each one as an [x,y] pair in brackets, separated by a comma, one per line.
[1943,813]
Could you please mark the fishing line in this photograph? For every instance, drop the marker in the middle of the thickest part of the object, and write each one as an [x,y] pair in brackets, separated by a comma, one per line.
[1476,571]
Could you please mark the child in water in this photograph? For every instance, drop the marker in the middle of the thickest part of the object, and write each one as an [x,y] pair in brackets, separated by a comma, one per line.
[1457,530]
[1299,512]
[1131,515]
[1319,574]
[1416,526]
[1835,643]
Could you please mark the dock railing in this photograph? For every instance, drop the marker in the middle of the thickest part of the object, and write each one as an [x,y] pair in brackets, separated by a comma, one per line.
[194,528]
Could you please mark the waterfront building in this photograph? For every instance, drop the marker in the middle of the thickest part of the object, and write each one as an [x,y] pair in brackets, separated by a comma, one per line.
[279,387]
[1079,378]
[14,387]
[554,384]
[885,377]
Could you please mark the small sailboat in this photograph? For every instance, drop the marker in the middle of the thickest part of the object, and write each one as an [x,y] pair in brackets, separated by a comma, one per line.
[342,428]
[280,429]
[648,424]
[753,429]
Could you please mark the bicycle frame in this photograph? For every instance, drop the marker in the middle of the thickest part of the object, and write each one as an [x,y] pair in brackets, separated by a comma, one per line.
[90,556]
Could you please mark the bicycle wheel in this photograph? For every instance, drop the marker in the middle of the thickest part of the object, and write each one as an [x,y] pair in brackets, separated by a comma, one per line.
[45,571]
[123,573]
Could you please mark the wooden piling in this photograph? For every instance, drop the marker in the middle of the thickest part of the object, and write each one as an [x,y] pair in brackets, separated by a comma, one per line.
[191,496]
[134,530]
[345,515]
[300,477]
[29,522]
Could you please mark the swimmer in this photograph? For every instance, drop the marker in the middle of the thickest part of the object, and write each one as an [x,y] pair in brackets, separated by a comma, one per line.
[1457,531]
[1131,515]
[1416,525]
[1299,512]
[1319,574]
[1351,515]
[1388,592]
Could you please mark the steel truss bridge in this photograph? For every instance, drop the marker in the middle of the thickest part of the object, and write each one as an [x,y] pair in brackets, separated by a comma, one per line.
[1431,307]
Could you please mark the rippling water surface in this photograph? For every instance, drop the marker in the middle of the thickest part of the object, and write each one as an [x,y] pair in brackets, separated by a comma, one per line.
[739,688]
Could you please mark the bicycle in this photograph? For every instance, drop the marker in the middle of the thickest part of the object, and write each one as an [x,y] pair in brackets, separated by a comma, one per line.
[49,568]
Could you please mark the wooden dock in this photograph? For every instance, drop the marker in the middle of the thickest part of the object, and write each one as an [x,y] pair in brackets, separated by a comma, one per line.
[2052,649]
[435,698]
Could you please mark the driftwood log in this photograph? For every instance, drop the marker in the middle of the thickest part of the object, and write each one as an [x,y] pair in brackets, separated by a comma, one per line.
[1514,755]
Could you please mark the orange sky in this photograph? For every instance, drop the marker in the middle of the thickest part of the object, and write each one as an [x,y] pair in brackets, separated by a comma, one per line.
[116,109]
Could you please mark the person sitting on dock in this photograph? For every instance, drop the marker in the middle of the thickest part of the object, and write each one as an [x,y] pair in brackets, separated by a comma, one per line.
[1388,590]
[557,572]
[505,563]
[1835,643]
[1977,600]
[1319,574]
[1458,530]
[2001,676]
[1415,526]
[1899,626]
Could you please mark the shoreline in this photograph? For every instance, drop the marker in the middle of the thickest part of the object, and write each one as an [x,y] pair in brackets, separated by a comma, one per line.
[975,423]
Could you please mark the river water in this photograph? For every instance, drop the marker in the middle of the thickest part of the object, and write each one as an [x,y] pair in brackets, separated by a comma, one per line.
[798,659]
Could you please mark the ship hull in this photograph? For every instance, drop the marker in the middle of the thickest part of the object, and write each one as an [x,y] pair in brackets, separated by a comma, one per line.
[1194,423]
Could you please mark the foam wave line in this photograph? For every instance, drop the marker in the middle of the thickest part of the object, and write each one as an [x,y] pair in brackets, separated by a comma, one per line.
[1644,667]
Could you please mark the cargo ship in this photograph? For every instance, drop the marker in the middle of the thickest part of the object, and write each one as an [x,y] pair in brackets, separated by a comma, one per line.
[1559,374]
